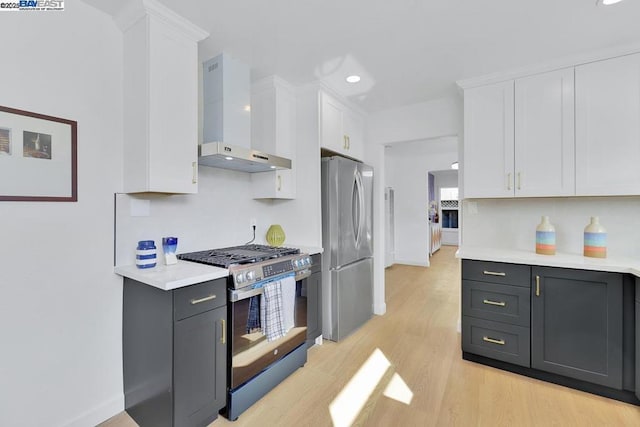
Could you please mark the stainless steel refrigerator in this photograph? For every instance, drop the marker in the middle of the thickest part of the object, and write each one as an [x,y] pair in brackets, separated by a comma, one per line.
[347,239]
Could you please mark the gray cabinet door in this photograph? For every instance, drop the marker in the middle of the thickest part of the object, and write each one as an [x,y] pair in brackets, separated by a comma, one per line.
[200,367]
[314,307]
[638,337]
[576,324]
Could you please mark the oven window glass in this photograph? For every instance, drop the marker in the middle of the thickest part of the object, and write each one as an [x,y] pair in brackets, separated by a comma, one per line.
[251,353]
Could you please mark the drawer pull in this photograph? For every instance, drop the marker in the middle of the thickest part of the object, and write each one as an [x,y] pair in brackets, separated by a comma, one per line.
[223,338]
[499,303]
[494,273]
[198,301]
[537,285]
[493,341]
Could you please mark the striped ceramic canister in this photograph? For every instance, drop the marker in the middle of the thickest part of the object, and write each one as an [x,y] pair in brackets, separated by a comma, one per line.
[595,239]
[545,237]
[146,254]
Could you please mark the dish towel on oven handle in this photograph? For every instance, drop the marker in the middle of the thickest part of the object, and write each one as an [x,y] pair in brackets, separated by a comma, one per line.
[288,285]
[253,319]
[271,311]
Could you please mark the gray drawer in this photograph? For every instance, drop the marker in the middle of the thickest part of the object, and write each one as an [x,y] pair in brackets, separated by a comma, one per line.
[500,341]
[194,299]
[497,272]
[502,303]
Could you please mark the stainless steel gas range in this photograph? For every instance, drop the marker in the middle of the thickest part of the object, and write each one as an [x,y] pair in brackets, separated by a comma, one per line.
[267,317]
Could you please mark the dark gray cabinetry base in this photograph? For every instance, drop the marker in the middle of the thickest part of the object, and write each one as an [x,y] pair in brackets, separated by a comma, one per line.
[576,328]
[174,353]
[637,337]
[576,324]
[313,286]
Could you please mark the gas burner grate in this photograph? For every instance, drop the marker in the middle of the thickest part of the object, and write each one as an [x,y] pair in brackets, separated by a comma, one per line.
[244,254]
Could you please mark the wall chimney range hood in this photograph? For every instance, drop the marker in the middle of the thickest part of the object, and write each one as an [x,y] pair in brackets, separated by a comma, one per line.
[227,120]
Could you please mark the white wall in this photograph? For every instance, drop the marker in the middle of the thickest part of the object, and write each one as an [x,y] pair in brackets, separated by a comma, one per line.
[440,117]
[61,305]
[415,122]
[407,165]
[511,223]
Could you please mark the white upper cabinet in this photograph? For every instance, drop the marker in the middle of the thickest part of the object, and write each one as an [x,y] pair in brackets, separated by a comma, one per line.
[341,128]
[519,139]
[160,100]
[608,127]
[273,130]
[488,141]
[544,135]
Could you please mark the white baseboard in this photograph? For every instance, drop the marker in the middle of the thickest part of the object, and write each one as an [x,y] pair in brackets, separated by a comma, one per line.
[100,413]
[416,263]
[380,309]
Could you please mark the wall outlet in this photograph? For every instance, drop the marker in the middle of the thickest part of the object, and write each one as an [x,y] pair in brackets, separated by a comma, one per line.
[253,222]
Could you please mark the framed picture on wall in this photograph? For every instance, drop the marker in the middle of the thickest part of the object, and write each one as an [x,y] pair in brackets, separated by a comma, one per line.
[38,157]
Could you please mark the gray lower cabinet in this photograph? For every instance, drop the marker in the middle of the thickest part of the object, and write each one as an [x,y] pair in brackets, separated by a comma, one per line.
[314,300]
[174,353]
[577,324]
[637,337]
[579,328]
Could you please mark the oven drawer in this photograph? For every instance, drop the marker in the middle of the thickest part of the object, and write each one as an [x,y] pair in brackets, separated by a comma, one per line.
[497,272]
[496,340]
[502,303]
[194,299]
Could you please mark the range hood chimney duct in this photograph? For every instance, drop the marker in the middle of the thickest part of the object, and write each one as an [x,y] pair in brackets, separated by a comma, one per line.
[227,120]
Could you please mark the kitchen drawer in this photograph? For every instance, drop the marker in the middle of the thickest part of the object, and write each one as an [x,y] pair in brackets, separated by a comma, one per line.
[500,341]
[502,303]
[497,272]
[194,299]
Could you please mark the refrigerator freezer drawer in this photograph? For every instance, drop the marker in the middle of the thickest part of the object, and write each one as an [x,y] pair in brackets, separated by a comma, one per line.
[351,298]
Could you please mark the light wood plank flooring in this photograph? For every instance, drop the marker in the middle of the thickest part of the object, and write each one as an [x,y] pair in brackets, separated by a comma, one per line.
[418,336]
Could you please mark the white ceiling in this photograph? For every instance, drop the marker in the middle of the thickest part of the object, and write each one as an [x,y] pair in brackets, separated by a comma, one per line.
[406,51]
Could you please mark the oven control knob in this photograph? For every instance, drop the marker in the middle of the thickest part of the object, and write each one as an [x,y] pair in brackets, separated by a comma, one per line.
[251,275]
[239,277]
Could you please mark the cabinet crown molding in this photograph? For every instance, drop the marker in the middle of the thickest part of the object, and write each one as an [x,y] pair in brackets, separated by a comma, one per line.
[133,11]
[544,67]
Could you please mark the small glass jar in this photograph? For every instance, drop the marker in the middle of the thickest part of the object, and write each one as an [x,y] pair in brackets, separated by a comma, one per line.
[146,254]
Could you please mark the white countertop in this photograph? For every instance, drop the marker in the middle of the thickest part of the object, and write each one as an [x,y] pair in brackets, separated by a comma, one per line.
[185,273]
[167,277]
[616,265]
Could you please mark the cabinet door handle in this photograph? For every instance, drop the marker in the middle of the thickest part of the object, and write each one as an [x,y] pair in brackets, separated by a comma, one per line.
[344,139]
[348,143]
[519,180]
[194,176]
[223,338]
[537,285]
[198,301]
[499,303]
[494,273]
[279,182]
[493,341]
[509,181]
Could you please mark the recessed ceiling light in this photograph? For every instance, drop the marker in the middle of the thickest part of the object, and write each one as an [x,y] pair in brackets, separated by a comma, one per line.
[454,165]
[229,158]
[607,2]
[272,167]
[353,79]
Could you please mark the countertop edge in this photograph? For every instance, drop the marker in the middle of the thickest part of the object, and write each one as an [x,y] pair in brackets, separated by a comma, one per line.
[614,265]
[168,277]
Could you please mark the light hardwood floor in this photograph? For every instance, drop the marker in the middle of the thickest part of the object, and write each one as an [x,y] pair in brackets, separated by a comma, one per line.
[418,336]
